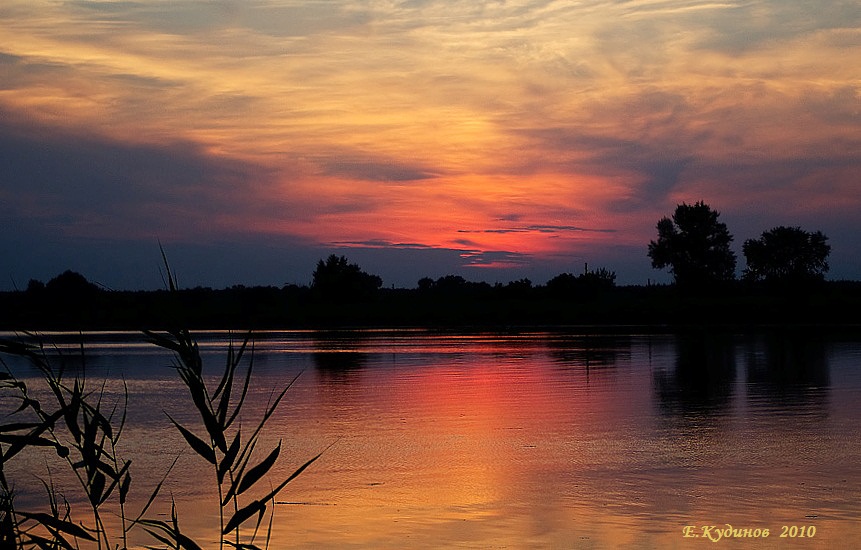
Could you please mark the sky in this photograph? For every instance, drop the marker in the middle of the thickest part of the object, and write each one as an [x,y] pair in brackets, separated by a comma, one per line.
[492,139]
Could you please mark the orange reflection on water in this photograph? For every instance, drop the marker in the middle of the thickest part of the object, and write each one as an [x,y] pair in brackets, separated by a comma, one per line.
[564,442]
[462,452]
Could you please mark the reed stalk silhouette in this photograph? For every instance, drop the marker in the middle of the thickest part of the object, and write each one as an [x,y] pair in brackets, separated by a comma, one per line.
[85,434]
[222,445]
[74,420]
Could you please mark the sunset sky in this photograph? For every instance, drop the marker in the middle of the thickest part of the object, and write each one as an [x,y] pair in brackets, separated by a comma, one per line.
[492,139]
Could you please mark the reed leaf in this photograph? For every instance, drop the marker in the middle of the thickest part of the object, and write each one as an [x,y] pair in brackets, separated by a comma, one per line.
[293,476]
[257,472]
[20,442]
[49,544]
[16,426]
[243,460]
[27,440]
[268,414]
[268,529]
[197,444]
[98,418]
[155,493]
[115,481]
[124,487]
[226,386]
[170,542]
[58,524]
[96,488]
[162,341]
[51,491]
[242,546]
[243,394]
[171,279]
[90,433]
[20,349]
[215,429]
[92,464]
[244,514]
[229,457]
[197,389]
[172,536]
[233,360]
[27,402]
[125,410]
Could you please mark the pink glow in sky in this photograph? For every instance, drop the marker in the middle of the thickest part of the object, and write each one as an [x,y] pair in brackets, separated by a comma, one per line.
[421,137]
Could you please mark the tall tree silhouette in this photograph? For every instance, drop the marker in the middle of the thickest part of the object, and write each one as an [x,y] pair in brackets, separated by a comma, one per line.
[786,255]
[338,279]
[695,246]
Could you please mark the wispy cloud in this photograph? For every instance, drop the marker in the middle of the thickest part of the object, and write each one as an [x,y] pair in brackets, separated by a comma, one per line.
[539,229]
[375,170]
[379,243]
[469,256]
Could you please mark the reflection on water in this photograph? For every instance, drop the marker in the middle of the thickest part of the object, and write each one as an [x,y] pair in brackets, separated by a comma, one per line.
[786,360]
[788,370]
[702,377]
[531,440]
[338,354]
[590,350]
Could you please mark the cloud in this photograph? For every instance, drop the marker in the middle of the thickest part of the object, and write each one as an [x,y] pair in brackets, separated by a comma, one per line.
[380,243]
[82,184]
[495,259]
[469,257]
[375,170]
[753,25]
[538,228]
[650,170]
[276,19]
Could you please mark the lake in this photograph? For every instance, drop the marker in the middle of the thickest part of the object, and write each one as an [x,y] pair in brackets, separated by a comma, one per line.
[513,440]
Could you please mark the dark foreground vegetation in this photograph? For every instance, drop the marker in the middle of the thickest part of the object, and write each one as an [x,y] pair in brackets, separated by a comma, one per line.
[75,418]
[445,302]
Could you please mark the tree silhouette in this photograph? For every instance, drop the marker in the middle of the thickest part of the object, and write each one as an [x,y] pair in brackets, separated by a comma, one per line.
[694,245]
[336,278]
[786,255]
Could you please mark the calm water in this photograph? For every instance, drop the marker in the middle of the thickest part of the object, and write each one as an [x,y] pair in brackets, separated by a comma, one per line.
[539,440]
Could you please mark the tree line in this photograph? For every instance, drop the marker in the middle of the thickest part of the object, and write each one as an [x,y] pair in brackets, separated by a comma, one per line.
[783,281]
[693,245]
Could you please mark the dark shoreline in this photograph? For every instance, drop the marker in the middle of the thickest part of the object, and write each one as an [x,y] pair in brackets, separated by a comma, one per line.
[830,306]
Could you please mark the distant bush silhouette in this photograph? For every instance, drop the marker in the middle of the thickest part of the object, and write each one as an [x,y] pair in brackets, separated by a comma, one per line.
[520,288]
[600,278]
[35,287]
[425,284]
[786,255]
[567,284]
[68,283]
[450,283]
[694,245]
[68,294]
[454,286]
[337,279]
